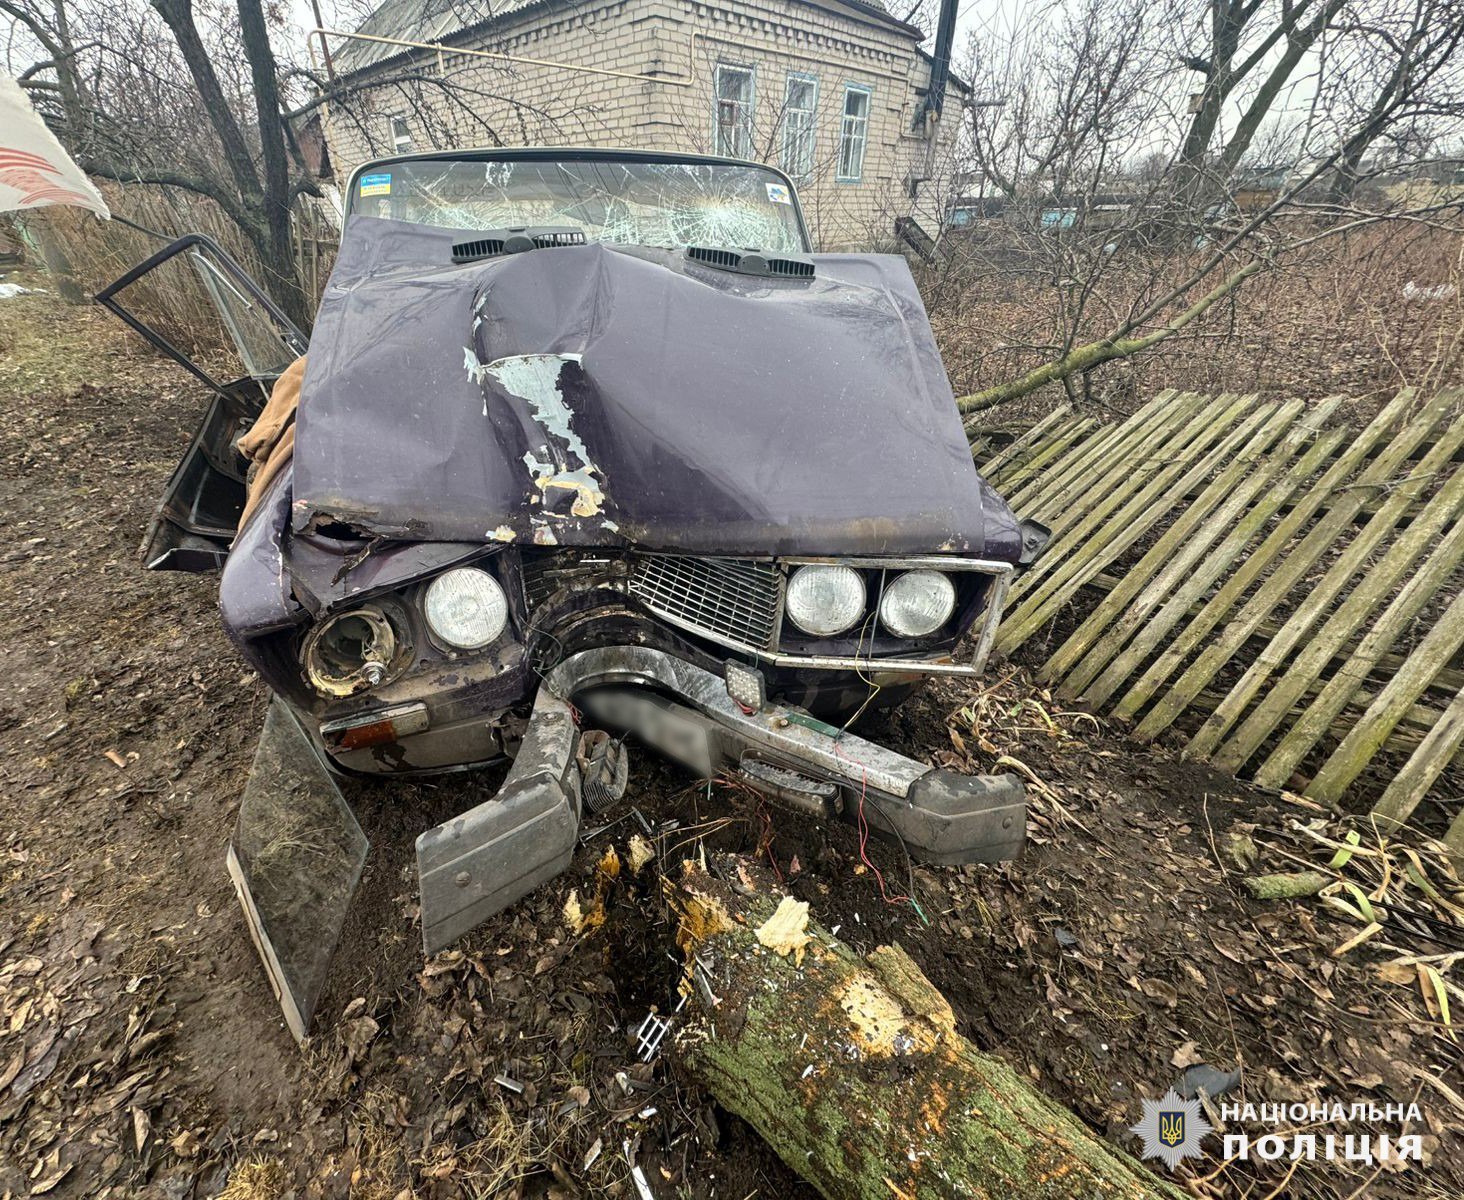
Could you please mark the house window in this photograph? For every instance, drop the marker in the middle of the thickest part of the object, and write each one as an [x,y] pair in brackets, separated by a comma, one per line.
[799,102]
[732,135]
[401,135]
[853,133]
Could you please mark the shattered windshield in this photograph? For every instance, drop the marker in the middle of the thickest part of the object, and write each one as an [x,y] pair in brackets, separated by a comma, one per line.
[649,203]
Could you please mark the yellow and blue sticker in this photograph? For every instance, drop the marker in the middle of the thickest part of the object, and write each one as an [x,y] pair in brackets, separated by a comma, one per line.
[778,194]
[376,185]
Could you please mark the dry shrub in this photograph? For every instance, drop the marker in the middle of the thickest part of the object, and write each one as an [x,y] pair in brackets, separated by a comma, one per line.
[171,301]
[1359,314]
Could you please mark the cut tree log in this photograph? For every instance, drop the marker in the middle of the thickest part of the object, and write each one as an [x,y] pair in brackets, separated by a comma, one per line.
[852,1070]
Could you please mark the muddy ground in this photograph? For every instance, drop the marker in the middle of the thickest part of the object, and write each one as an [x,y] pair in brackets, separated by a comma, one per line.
[141,1053]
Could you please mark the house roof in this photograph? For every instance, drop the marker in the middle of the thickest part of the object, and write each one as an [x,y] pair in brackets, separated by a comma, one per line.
[454,20]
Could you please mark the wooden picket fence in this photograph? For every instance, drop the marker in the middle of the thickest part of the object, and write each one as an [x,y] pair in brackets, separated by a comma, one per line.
[1283,589]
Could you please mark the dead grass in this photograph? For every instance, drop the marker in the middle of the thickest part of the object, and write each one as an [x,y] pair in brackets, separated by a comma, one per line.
[257,1178]
[44,347]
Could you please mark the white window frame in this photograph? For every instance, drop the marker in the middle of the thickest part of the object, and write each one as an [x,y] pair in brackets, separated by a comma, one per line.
[854,131]
[401,142]
[799,136]
[742,144]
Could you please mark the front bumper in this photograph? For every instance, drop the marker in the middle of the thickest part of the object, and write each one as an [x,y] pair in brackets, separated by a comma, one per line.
[686,713]
[490,856]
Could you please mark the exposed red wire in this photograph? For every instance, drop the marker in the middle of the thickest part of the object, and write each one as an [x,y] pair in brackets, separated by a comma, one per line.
[767,839]
[900,898]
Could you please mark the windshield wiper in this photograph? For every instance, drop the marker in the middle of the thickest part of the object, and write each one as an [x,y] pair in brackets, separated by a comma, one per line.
[490,243]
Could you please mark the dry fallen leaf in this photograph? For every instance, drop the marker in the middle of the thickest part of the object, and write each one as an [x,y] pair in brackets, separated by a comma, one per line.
[358,1035]
[141,1128]
[1185,1056]
[1157,989]
[1397,972]
[50,1181]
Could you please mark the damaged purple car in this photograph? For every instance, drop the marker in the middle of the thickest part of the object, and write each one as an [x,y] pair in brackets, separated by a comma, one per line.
[588,445]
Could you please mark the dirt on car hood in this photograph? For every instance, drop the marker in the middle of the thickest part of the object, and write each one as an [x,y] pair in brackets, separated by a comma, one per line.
[602,396]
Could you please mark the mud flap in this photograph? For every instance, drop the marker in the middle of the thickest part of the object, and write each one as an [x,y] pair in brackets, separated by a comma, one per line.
[483,860]
[295,859]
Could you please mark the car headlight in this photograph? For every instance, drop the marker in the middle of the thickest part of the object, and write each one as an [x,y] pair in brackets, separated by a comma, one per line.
[824,601]
[350,652]
[917,603]
[465,608]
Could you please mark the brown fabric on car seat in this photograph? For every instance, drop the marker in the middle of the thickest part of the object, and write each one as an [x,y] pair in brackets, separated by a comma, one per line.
[270,441]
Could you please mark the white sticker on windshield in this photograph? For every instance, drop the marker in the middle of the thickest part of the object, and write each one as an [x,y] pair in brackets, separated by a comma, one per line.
[779,194]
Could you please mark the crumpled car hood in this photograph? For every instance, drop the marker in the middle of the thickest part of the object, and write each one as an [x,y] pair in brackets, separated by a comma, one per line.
[604,396]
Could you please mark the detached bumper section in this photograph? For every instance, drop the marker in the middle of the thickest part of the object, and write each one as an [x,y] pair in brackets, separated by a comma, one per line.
[297,854]
[685,712]
[490,856]
[483,860]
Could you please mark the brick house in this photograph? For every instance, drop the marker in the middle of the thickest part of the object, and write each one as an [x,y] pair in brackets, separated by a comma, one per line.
[835,92]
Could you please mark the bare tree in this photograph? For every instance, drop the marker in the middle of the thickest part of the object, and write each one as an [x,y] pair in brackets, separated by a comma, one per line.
[191,95]
[149,95]
[1246,53]
[1137,221]
[1400,86]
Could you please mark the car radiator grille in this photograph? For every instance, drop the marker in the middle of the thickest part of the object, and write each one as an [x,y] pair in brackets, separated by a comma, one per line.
[736,600]
[731,598]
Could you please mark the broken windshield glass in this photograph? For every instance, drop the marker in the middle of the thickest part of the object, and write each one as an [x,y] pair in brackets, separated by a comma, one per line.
[647,203]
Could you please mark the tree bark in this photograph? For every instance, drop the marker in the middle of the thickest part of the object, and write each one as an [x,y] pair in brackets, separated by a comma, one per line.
[852,1070]
[58,265]
[279,261]
[1293,886]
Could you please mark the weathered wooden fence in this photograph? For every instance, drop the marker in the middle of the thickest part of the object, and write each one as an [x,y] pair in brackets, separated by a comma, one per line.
[1287,586]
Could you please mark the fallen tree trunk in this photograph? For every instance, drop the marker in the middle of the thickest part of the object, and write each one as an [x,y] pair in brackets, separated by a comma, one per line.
[852,1070]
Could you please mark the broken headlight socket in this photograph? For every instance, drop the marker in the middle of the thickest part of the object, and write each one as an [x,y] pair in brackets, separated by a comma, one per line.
[353,651]
[746,686]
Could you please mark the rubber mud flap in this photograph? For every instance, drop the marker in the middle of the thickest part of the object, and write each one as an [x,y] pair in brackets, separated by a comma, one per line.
[483,860]
[949,818]
[295,859]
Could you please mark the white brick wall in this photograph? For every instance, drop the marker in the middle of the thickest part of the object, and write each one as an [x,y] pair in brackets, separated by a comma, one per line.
[521,104]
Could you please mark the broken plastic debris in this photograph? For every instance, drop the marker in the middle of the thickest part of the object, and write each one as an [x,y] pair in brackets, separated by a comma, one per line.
[651,1034]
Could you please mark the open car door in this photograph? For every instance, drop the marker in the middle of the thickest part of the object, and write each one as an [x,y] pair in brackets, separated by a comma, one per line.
[238,360]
